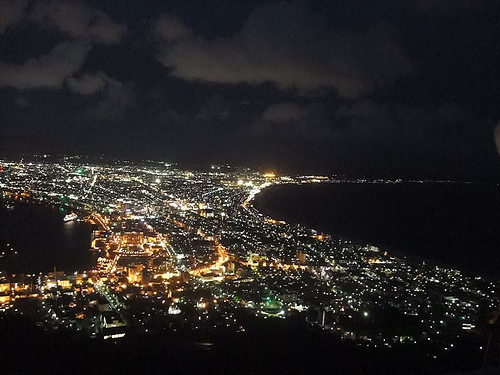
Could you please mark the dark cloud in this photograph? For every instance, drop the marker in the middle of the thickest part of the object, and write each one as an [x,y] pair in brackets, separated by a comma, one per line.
[90,83]
[79,21]
[452,113]
[289,45]
[449,7]
[215,108]
[283,113]
[11,12]
[171,29]
[84,26]
[423,140]
[21,101]
[288,121]
[375,87]
[47,71]
[115,102]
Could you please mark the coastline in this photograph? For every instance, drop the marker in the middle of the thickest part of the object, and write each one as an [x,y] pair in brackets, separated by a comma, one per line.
[358,241]
[43,240]
[261,206]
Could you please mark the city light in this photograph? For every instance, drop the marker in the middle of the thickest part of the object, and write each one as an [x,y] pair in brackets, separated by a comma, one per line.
[199,234]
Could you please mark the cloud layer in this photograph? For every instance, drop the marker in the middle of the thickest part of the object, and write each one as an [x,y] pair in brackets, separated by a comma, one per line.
[283,113]
[47,71]
[286,44]
[11,12]
[90,83]
[83,25]
[78,21]
[345,85]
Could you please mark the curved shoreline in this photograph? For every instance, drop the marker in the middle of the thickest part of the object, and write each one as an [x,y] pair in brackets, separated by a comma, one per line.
[51,242]
[406,255]
[278,217]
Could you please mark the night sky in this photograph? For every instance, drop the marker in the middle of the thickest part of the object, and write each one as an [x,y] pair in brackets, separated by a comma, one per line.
[403,88]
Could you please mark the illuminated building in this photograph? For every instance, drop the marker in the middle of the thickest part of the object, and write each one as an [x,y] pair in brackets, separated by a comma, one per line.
[132,238]
[4,287]
[4,299]
[135,274]
[65,283]
[301,256]
[112,325]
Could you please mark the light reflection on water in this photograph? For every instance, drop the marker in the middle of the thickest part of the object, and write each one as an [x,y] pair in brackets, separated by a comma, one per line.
[44,240]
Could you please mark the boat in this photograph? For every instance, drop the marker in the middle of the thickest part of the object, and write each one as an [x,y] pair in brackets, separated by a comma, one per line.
[70,217]
[9,206]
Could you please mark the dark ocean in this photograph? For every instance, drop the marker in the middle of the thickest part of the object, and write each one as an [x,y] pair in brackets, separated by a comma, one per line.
[453,224]
[42,239]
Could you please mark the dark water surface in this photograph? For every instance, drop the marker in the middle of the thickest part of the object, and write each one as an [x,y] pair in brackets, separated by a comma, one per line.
[43,240]
[452,223]
[456,224]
